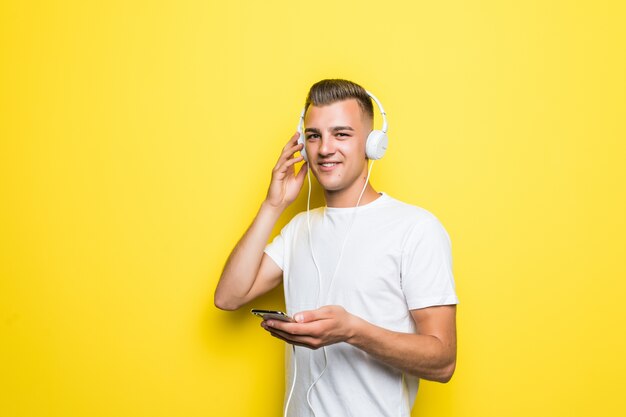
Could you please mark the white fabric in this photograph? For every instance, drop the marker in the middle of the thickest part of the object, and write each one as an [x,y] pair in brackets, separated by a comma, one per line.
[397,258]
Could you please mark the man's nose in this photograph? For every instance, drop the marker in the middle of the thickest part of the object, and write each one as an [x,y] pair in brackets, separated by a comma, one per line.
[327,147]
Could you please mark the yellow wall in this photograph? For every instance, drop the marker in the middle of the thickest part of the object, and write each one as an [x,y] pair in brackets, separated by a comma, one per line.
[137,142]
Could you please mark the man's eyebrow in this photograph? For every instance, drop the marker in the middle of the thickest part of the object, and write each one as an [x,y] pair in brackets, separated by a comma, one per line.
[336,128]
[332,129]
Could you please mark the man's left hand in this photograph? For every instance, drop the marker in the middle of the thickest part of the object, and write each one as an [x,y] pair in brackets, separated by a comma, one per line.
[315,328]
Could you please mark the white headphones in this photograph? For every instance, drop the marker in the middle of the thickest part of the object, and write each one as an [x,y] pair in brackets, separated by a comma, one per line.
[376,143]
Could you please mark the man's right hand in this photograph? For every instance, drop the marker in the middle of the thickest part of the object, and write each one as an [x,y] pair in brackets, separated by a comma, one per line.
[286,185]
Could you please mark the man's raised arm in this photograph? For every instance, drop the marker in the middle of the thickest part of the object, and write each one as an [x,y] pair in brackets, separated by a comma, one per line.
[250,273]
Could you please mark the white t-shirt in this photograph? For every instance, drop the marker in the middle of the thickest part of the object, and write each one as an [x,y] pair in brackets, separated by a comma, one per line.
[396,258]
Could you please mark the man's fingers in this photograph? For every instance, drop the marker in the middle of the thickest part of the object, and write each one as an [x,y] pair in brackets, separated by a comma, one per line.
[293,141]
[281,326]
[283,166]
[288,152]
[294,329]
[292,161]
[305,341]
[293,149]
[304,169]
[292,342]
[307,316]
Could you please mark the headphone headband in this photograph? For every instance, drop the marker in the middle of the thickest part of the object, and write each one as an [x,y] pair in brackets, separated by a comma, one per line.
[382,111]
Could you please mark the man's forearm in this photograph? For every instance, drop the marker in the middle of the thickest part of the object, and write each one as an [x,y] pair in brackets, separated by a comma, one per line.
[424,356]
[430,353]
[244,261]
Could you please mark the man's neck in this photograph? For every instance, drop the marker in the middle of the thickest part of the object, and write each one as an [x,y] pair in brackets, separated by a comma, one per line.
[349,198]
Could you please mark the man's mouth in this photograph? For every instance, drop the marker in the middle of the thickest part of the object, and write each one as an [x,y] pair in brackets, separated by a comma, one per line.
[328,164]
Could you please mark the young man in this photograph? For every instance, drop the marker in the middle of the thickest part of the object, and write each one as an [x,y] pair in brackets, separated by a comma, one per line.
[371,284]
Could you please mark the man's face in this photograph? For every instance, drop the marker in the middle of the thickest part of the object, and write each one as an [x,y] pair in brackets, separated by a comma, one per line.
[335,144]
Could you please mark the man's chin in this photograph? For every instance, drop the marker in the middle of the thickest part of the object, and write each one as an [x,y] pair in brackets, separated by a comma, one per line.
[329,186]
[332,184]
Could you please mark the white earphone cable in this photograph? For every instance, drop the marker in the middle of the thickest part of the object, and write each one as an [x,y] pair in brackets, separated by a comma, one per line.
[369,171]
[319,277]
[293,382]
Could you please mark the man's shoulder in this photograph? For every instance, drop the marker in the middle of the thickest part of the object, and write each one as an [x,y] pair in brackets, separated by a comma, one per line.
[300,218]
[406,211]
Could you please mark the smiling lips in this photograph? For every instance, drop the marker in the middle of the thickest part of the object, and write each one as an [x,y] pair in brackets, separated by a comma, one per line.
[327,166]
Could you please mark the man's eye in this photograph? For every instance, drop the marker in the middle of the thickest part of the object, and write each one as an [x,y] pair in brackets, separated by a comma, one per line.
[312,136]
[343,135]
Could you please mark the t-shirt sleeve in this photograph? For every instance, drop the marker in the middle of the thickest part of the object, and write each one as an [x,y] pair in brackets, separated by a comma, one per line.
[427,266]
[276,249]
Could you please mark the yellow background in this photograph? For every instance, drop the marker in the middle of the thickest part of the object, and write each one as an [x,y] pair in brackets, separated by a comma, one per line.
[137,140]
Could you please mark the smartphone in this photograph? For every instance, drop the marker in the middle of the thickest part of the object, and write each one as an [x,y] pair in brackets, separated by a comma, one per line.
[271,314]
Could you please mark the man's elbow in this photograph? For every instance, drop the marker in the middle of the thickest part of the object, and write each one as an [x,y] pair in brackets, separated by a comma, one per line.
[445,374]
[223,303]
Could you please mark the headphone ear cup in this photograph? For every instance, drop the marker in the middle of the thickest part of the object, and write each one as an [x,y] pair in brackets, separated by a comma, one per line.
[376,144]
[303,150]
